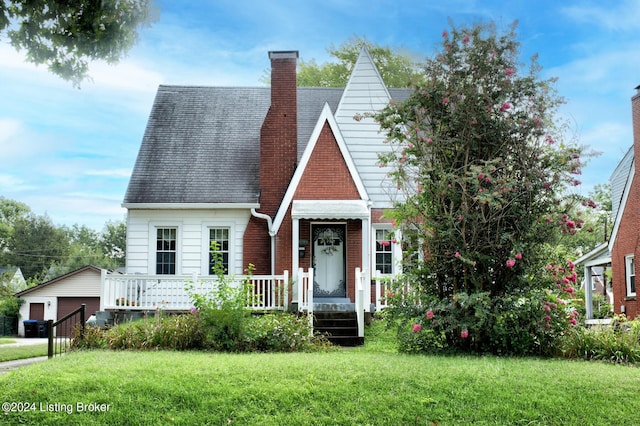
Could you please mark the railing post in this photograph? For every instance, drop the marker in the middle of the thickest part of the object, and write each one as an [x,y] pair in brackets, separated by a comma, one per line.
[82,320]
[285,283]
[360,302]
[310,297]
[300,290]
[378,291]
[50,336]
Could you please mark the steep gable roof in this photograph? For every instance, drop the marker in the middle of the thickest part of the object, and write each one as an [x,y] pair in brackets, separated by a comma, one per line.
[201,144]
[366,92]
[325,117]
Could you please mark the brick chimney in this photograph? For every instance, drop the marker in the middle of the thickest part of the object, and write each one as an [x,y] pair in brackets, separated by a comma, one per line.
[279,133]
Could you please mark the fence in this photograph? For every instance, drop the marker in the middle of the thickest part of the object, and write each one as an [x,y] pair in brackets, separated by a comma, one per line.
[63,331]
[8,326]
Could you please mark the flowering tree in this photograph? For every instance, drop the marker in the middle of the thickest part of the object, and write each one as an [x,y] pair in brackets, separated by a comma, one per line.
[485,169]
[482,163]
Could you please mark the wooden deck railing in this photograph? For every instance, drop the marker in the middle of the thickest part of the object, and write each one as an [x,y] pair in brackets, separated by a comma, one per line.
[171,292]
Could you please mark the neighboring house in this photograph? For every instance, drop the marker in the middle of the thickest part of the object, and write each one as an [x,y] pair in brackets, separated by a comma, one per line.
[625,237]
[284,178]
[56,298]
[594,264]
[12,277]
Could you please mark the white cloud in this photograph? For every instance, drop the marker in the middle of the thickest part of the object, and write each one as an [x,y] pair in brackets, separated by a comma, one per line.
[117,173]
[622,16]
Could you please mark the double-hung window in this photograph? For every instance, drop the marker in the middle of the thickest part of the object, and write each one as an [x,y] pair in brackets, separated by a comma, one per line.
[630,273]
[384,252]
[166,251]
[219,240]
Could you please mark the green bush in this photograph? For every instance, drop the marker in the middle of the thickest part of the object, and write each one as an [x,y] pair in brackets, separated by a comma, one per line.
[524,324]
[279,332]
[618,343]
[179,332]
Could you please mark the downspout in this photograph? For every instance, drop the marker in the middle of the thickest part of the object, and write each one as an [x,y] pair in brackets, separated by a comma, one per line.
[272,234]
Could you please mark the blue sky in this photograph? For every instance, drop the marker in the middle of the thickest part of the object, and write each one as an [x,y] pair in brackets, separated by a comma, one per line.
[69,153]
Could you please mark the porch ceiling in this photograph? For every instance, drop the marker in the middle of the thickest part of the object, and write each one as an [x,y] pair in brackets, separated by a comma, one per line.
[330,209]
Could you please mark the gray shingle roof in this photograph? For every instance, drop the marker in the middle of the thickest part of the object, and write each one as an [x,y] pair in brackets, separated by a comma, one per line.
[201,144]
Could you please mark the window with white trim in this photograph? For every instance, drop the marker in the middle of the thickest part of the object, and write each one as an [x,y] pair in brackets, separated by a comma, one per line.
[384,252]
[166,251]
[220,238]
[630,272]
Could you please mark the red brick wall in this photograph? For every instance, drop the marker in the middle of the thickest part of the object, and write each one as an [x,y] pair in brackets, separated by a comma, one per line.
[628,237]
[327,176]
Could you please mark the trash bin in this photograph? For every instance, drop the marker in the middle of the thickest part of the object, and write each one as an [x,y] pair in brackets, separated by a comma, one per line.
[43,330]
[30,328]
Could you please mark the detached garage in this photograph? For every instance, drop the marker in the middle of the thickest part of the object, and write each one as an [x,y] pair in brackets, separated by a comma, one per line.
[56,298]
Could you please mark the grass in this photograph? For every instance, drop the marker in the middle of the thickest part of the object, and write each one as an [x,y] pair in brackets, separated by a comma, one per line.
[368,385]
[4,341]
[22,352]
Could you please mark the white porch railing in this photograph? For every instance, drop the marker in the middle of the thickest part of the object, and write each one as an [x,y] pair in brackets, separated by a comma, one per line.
[150,292]
[381,290]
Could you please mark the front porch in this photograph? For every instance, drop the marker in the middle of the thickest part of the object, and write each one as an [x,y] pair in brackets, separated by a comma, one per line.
[144,293]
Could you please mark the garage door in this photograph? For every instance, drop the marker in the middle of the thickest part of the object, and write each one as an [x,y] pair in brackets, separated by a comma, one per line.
[69,304]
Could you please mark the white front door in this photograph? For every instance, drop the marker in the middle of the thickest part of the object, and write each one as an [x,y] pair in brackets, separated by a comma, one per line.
[329,260]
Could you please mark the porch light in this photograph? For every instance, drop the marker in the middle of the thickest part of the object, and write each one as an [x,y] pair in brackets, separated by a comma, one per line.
[301,252]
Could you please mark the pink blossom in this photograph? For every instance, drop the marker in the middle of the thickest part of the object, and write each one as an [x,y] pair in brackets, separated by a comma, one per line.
[445,101]
[394,241]
[511,263]
[410,145]
[389,294]
[193,310]
[385,243]
[481,176]
[550,140]
[457,255]
[429,314]
[445,34]
[417,328]
[573,321]
[509,72]
[518,256]
[466,39]
[464,334]
[505,106]
[429,140]
[547,318]
[460,218]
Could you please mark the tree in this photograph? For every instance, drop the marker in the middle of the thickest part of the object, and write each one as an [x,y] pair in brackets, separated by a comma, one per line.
[66,35]
[113,241]
[486,172]
[397,69]
[10,211]
[35,245]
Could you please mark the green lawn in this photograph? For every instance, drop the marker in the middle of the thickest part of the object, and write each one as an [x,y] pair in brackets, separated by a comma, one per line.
[6,340]
[21,352]
[369,385]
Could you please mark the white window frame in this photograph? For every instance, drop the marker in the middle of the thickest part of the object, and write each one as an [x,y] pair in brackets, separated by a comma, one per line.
[233,264]
[629,272]
[396,250]
[153,253]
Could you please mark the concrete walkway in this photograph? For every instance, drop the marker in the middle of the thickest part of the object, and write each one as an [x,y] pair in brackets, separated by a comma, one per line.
[7,366]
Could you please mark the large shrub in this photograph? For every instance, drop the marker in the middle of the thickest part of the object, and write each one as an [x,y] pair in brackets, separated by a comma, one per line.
[485,170]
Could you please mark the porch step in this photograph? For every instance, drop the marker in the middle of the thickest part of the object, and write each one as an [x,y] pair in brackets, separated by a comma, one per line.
[341,327]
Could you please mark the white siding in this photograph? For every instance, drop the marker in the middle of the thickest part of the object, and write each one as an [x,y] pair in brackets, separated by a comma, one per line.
[192,244]
[366,92]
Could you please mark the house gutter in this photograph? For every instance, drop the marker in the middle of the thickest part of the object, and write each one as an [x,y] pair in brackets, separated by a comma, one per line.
[272,234]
